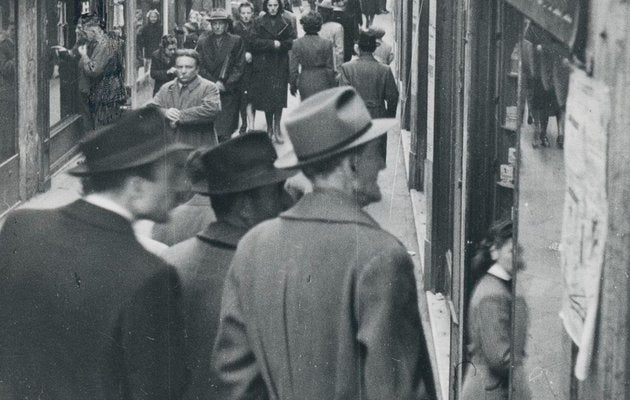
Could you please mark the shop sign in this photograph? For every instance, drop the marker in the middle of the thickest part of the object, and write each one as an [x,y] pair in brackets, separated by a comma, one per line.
[558,17]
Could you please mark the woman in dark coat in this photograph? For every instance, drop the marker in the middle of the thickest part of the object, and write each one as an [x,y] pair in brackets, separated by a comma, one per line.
[273,37]
[149,36]
[163,62]
[312,66]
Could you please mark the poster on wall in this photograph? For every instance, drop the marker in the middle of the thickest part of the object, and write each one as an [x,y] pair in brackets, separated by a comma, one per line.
[585,216]
[558,17]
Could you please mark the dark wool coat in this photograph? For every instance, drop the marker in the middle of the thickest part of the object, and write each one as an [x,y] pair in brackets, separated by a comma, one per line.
[246,32]
[86,311]
[270,68]
[374,82]
[148,39]
[321,303]
[225,63]
[489,329]
[160,63]
[202,263]
[312,65]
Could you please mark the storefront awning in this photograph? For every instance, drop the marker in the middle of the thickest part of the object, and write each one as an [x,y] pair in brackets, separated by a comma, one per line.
[558,17]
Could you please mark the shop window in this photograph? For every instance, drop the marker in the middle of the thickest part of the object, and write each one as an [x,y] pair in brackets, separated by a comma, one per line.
[62,60]
[8,79]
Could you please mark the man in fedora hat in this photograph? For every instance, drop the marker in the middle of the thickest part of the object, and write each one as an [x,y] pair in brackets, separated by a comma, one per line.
[321,303]
[374,81]
[223,62]
[244,189]
[87,312]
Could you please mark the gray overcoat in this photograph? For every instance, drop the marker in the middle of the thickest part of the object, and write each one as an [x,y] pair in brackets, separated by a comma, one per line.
[199,103]
[321,303]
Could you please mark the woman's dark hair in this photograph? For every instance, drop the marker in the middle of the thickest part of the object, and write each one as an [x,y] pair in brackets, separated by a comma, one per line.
[312,22]
[280,6]
[168,39]
[188,53]
[499,233]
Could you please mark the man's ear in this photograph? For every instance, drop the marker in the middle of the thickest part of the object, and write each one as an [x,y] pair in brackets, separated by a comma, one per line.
[494,253]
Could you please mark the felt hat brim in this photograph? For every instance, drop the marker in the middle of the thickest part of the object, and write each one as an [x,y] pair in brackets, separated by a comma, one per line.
[380,127]
[110,165]
[264,178]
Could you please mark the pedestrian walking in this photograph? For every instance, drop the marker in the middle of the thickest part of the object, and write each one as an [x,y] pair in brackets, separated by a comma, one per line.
[321,303]
[190,102]
[348,14]
[370,8]
[163,62]
[332,31]
[288,14]
[87,312]
[490,321]
[149,38]
[273,37]
[104,68]
[244,27]
[191,35]
[195,213]
[374,81]
[311,59]
[383,52]
[222,57]
[245,189]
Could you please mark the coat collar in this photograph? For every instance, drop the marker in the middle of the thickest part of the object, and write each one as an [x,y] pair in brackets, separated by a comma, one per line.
[222,234]
[94,215]
[191,86]
[367,57]
[279,28]
[329,206]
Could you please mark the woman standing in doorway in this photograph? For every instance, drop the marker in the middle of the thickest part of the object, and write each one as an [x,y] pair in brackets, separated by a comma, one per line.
[273,38]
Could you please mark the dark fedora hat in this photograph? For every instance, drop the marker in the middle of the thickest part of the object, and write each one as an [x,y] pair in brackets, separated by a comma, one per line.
[138,138]
[218,14]
[367,38]
[242,163]
[328,123]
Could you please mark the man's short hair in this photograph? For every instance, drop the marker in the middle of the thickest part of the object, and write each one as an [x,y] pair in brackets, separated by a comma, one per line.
[188,53]
[245,4]
[326,167]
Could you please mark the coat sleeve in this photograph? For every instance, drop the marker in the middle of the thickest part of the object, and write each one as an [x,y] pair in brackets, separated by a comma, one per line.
[153,339]
[237,58]
[208,109]
[234,360]
[294,67]
[159,100]
[343,77]
[396,363]
[258,42]
[94,66]
[494,325]
[391,94]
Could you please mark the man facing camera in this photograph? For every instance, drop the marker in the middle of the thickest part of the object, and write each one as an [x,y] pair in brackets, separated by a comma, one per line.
[321,303]
[189,102]
[244,189]
[87,312]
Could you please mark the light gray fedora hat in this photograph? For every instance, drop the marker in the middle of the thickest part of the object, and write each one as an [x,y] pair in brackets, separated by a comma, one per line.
[328,123]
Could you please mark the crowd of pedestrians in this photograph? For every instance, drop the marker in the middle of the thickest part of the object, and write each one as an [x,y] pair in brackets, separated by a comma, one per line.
[263,276]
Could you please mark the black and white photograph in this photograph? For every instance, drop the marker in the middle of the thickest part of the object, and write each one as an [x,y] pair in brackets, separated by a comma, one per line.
[314,200]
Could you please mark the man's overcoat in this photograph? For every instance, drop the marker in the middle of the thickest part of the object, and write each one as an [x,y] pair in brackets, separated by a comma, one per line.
[321,303]
[199,102]
[86,311]
[374,82]
[270,66]
[202,263]
[223,60]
